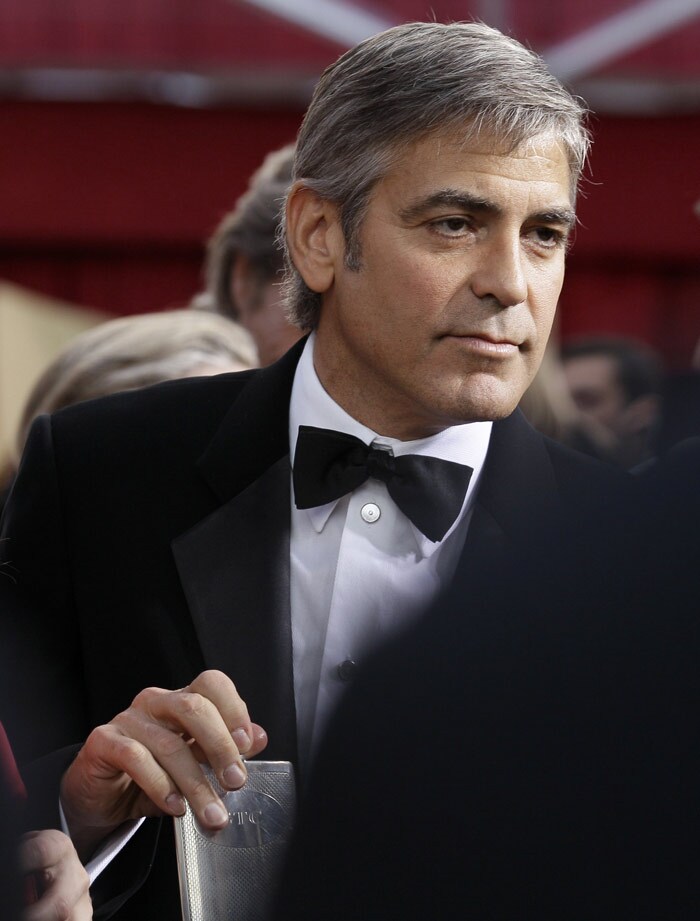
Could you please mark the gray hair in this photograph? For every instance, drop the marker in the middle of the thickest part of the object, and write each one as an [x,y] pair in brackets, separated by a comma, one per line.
[250,229]
[402,85]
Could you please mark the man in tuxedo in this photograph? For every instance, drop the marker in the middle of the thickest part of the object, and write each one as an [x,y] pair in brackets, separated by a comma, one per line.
[270,527]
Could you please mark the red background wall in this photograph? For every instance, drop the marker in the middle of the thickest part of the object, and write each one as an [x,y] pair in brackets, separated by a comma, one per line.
[108,205]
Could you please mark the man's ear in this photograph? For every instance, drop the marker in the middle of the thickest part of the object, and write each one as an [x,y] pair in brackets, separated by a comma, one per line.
[314,237]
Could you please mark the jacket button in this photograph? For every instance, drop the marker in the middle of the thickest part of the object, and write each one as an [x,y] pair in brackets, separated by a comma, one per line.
[346,670]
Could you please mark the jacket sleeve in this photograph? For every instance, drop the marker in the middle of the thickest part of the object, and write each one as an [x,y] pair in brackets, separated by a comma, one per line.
[41,695]
[43,701]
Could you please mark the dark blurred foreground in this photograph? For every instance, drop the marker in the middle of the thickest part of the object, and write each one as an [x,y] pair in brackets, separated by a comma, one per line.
[532,750]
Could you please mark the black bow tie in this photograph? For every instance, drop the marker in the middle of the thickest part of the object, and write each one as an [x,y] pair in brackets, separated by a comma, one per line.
[428,490]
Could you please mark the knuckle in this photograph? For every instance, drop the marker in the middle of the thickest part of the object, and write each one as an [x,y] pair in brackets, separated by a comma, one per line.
[200,790]
[34,851]
[193,704]
[166,744]
[145,697]
[216,680]
[128,752]
[101,735]
[44,848]
[62,908]
[222,751]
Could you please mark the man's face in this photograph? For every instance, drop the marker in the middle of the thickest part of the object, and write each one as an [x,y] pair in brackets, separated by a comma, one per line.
[462,252]
[596,391]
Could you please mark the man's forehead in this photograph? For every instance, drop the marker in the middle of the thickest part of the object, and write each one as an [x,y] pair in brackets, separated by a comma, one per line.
[455,160]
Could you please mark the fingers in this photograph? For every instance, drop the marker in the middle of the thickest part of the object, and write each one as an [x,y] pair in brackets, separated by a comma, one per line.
[63,881]
[259,741]
[164,767]
[221,691]
[208,713]
[98,786]
[158,744]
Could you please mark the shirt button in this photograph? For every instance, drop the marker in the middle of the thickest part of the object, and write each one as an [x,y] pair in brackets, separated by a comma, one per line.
[346,670]
[370,513]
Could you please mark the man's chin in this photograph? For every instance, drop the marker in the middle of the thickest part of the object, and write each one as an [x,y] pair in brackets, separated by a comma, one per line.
[488,402]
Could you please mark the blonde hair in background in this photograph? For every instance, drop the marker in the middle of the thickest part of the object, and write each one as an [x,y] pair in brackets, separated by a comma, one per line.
[547,402]
[136,351]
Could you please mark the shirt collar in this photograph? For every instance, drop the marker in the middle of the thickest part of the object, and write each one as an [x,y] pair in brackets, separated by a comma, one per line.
[311,405]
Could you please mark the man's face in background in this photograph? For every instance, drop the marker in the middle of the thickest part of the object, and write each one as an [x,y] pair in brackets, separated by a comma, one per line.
[596,389]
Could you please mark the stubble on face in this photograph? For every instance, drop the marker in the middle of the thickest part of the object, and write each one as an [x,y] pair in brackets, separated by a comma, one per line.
[462,263]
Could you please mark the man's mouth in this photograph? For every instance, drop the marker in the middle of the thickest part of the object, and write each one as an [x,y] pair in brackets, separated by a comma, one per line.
[487,345]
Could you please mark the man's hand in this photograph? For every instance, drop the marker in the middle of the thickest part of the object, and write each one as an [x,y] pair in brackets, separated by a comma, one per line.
[147,759]
[62,881]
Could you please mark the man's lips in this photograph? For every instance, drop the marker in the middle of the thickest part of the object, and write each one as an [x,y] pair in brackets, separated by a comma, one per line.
[486,345]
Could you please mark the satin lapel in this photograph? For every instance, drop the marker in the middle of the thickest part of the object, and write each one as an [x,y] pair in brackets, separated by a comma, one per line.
[517,491]
[234,565]
[255,432]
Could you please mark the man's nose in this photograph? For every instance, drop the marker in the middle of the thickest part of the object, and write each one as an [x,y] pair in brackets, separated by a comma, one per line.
[499,271]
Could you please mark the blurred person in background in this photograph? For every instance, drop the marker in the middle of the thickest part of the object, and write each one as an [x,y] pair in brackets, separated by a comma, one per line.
[245,263]
[680,407]
[133,352]
[615,383]
[549,407]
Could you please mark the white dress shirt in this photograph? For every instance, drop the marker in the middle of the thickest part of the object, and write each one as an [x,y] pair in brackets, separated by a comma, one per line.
[360,569]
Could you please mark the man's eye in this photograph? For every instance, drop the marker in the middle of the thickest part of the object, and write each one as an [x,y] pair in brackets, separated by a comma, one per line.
[453,226]
[549,237]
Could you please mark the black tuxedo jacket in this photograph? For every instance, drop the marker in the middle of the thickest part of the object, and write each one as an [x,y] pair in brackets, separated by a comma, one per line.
[151,530]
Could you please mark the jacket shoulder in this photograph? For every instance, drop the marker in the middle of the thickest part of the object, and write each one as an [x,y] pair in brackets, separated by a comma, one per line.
[181,412]
[169,402]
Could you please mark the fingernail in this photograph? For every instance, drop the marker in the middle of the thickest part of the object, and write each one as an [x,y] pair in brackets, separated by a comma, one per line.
[242,740]
[215,815]
[175,804]
[234,776]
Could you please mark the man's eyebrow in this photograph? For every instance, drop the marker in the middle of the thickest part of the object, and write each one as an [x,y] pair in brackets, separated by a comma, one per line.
[452,198]
[563,216]
[465,201]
